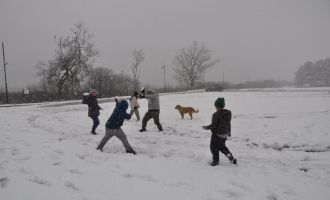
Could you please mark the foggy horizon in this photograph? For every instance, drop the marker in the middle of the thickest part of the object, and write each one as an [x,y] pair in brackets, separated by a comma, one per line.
[254,40]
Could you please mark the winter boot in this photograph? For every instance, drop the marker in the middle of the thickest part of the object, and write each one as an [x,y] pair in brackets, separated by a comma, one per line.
[214,163]
[99,148]
[131,151]
[142,130]
[231,159]
[234,161]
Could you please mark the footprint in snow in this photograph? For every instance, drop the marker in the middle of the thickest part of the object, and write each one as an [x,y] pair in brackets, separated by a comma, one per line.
[61,139]
[39,181]
[75,171]
[128,175]
[3,182]
[168,154]
[147,178]
[143,177]
[304,169]
[58,151]
[271,196]
[231,193]
[57,163]
[71,186]
[14,152]
[169,130]
[240,185]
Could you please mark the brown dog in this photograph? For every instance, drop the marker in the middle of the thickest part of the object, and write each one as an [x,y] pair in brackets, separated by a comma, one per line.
[184,110]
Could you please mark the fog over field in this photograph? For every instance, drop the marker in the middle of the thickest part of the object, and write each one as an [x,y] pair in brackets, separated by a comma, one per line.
[254,40]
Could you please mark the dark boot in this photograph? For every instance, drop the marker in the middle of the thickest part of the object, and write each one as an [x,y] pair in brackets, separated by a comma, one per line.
[234,161]
[231,159]
[142,130]
[99,148]
[131,151]
[214,163]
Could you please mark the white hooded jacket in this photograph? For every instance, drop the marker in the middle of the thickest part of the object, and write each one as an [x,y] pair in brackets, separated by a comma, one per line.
[134,103]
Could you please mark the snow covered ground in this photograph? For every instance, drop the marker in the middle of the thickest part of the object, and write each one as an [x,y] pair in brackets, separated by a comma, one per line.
[281,140]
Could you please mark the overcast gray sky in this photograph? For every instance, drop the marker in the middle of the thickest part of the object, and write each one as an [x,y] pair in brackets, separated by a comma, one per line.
[256,39]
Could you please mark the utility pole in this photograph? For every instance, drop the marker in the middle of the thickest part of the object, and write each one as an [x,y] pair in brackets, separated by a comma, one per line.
[164,68]
[223,79]
[4,67]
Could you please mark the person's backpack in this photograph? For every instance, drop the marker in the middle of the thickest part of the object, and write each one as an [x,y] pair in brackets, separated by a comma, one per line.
[85,98]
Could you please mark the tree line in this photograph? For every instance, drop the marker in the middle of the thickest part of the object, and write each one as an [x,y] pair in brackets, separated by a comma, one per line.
[71,70]
[314,74]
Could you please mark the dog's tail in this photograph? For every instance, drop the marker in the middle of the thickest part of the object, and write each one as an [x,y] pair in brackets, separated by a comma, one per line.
[196,111]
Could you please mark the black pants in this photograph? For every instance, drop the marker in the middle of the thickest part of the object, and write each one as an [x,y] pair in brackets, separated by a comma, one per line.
[96,122]
[219,144]
[154,114]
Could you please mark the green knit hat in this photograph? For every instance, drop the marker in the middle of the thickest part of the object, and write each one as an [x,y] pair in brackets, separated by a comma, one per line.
[220,102]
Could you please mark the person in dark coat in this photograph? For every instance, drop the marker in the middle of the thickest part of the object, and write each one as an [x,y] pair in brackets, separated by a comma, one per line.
[93,110]
[221,129]
[113,126]
[153,109]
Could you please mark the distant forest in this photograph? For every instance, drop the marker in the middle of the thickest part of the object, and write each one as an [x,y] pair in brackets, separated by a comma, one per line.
[71,72]
[314,74]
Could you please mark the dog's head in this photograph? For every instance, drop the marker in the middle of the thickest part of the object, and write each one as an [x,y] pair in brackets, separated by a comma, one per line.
[177,106]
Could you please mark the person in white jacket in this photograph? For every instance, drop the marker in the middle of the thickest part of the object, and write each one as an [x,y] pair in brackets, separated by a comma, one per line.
[135,105]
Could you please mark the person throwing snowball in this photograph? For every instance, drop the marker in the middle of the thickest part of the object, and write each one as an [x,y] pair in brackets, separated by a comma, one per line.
[221,129]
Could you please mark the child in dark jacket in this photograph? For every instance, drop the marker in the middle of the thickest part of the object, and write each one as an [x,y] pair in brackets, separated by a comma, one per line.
[221,129]
[113,126]
[93,110]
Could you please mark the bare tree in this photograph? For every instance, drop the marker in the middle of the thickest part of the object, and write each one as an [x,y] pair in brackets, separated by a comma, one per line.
[191,64]
[123,84]
[138,57]
[71,64]
[102,79]
[50,75]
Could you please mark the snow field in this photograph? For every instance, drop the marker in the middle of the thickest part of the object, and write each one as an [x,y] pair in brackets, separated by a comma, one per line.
[281,140]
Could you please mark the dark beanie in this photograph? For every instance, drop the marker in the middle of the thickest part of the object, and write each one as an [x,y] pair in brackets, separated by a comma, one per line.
[220,102]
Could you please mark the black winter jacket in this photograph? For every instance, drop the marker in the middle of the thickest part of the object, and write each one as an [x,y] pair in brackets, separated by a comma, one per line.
[93,106]
[221,122]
